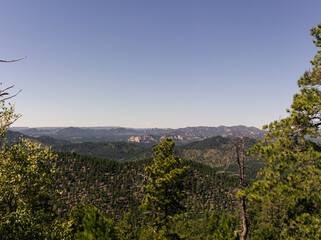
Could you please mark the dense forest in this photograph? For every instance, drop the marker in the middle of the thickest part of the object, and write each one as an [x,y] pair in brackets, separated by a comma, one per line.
[115,187]
[246,189]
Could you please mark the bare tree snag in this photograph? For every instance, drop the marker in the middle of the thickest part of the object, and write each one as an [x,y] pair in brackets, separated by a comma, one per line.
[4,92]
[239,152]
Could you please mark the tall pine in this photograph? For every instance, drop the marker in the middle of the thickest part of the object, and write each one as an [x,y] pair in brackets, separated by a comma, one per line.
[163,191]
[286,202]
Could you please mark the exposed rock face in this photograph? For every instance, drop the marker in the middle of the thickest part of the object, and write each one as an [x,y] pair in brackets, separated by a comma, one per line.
[142,139]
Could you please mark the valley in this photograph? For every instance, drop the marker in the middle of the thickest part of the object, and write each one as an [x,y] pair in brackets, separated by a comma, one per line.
[110,174]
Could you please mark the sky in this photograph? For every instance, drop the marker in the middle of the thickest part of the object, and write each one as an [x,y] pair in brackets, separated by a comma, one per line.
[148,63]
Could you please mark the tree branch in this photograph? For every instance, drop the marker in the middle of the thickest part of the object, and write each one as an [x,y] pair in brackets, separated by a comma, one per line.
[10,61]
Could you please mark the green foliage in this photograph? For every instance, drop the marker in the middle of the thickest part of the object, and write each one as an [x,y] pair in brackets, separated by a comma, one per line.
[94,225]
[226,228]
[163,191]
[286,203]
[210,225]
[7,115]
[126,229]
[25,207]
[76,216]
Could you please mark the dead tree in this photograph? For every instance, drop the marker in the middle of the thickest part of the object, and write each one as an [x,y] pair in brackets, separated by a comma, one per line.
[10,117]
[3,92]
[239,153]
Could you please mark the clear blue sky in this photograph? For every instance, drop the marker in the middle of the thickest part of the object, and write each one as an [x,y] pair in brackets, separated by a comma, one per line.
[166,63]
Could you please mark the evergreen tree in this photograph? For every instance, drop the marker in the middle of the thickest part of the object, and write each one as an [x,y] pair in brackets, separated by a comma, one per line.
[286,203]
[163,191]
[76,216]
[25,203]
[95,226]
[125,229]
[26,211]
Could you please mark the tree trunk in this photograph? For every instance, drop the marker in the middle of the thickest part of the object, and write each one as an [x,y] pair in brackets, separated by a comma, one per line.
[245,222]
[240,152]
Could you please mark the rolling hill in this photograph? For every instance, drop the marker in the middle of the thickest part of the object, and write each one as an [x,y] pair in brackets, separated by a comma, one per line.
[144,137]
[13,137]
[211,151]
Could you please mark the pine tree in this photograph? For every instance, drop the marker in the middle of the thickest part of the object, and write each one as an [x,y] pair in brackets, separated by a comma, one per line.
[163,191]
[95,226]
[286,203]
[126,230]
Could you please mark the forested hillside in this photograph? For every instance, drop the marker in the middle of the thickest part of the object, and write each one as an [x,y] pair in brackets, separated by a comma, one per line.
[215,151]
[112,150]
[115,187]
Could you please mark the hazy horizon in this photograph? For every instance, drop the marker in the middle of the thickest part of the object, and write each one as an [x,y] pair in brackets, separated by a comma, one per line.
[128,127]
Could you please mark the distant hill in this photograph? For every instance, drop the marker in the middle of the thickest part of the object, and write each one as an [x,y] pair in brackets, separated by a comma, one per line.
[79,135]
[50,141]
[209,143]
[13,137]
[145,137]
[212,151]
